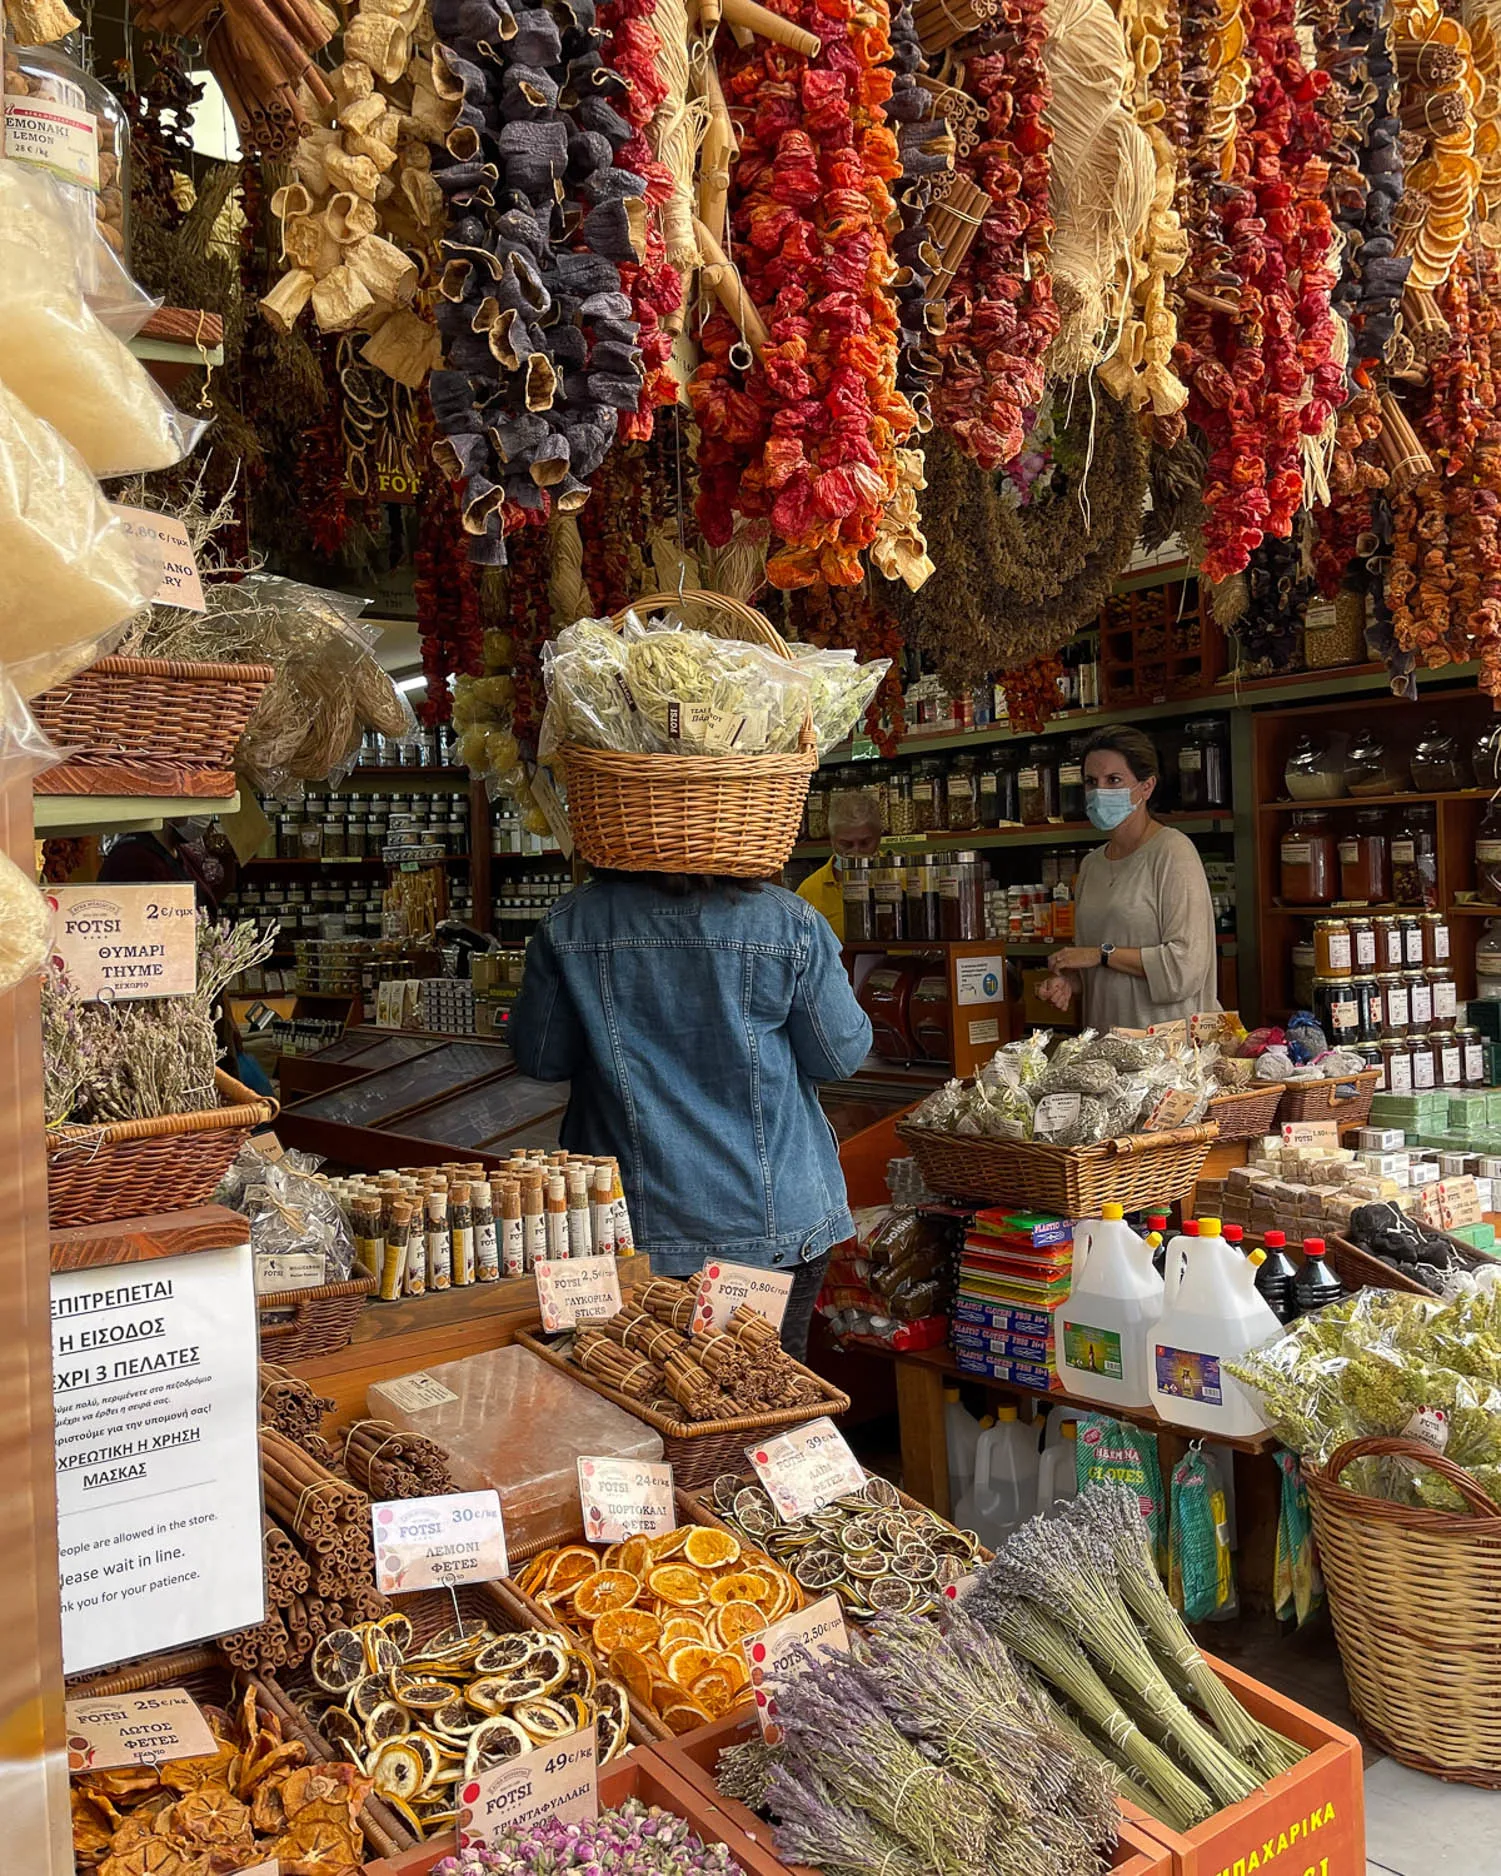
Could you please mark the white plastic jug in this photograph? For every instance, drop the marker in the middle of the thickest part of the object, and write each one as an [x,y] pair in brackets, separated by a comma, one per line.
[1104,1329]
[1058,1475]
[1212,1312]
[1004,1492]
[961,1431]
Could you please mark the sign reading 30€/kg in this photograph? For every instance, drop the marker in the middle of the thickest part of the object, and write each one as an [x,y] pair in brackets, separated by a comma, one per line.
[438,1543]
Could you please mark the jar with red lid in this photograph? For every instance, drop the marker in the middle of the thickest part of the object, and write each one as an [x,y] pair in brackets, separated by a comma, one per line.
[1365,872]
[1309,871]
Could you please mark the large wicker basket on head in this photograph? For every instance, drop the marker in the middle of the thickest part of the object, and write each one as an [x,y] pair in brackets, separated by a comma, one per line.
[1416,1600]
[735,815]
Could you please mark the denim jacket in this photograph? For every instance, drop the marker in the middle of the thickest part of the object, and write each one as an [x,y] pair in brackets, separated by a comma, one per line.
[694,1031]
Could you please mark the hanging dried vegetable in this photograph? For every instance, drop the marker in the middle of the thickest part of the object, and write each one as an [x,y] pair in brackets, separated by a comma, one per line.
[927,156]
[852,616]
[806,437]
[1001,313]
[1439,90]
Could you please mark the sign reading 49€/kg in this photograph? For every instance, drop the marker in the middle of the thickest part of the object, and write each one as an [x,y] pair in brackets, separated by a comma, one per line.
[438,1543]
[558,1780]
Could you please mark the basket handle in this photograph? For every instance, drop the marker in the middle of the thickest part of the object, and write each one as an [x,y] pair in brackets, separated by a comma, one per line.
[284,1325]
[1170,1136]
[1376,1447]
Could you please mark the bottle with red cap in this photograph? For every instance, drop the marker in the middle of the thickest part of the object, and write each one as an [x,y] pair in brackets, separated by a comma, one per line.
[1316,1283]
[1157,1239]
[1275,1277]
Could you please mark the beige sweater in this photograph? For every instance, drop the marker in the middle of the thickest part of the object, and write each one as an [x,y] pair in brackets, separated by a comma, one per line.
[1156,900]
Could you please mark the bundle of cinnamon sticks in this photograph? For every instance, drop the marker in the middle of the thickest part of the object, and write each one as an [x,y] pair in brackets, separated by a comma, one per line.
[261,52]
[389,1463]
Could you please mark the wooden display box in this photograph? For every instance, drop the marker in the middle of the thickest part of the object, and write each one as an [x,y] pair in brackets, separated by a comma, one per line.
[1311,1819]
[694,1757]
[642,1774]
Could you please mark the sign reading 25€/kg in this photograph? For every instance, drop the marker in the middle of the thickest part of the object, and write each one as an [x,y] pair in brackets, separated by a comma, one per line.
[438,1543]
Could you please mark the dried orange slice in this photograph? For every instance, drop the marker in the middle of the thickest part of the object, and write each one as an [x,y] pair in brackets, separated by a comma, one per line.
[687,1661]
[569,1566]
[685,1716]
[626,1628]
[682,1626]
[635,1556]
[741,1586]
[736,1619]
[606,1590]
[732,1665]
[711,1549]
[713,1690]
[610,1560]
[669,1544]
[677,1584]
[633,1671]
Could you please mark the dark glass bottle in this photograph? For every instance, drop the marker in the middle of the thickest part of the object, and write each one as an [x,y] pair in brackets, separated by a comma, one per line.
[1316,1284]
[1275,1277]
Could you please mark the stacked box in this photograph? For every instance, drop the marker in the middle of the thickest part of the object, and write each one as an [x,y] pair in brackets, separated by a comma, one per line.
[1015,1268]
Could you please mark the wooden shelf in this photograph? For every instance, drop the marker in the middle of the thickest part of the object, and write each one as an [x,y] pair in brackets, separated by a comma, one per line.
[1373,801]
[121,814]
[1049,835]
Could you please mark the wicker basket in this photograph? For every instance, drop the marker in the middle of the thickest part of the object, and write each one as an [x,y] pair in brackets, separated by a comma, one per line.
[699,1450]
[1070,1181]
[734,815]
[204,1674]
[131,1167]
[1345,1098]
[1416,1600]
[297,1324]
[1247,1113]
[188,715]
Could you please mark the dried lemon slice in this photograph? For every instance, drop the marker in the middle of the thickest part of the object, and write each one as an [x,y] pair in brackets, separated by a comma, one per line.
[339,1660]
[544,1719]
[507,1652]
[382,1651]
[491,1692]
[495,1741]
[388,1721]
[399,1628]
[343,1731]
[399,1770]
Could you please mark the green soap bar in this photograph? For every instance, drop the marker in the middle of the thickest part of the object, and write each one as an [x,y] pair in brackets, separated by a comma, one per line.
[1481,1237]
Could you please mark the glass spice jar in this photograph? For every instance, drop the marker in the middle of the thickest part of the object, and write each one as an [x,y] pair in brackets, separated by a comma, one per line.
[925,804]
[1486,756]
[1414,858]
[1390,955]
[1303,975]
[1396,1012]
[1396,1059]
[1308,869]
[923,918]
[1488,854]
[961,797]
[1371,768]
[1203,766]
[1363,943]
[1333,954]
[962,896]
[899,795]
[1071,781]
[990,792]
[1419,1003]
[817,813]
[1439,763]
[1365,860]
[855,891]
[888,902]
[1008,790]
[1315,769]
[1037,786]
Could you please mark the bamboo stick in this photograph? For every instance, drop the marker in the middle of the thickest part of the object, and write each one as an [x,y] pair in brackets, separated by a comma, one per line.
[723,280]
[715,158]
[761,20]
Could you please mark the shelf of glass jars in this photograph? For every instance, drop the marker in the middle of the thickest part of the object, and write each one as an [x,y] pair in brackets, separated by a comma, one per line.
[1049,833]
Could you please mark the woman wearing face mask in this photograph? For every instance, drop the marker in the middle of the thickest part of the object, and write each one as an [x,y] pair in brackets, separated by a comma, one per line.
[1144,923]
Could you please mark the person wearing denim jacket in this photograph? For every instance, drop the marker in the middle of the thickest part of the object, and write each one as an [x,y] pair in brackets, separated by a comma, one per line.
[695,1019]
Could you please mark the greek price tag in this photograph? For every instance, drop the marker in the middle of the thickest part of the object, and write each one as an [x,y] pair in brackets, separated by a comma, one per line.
[559,1780]
[126,942]
[623,1498]
[568,1288]
[774,1658]
[723,1287]
[136,1729]
[438,1543]
[806,1468]
[178,583]
[1310,1133]
[417,1390]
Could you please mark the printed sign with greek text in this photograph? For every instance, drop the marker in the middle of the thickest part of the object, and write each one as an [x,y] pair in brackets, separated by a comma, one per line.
[559,1780]
[438,1543]
[806,1469]
[775,1655]
[575,1288]
[722,1288]
[122,943]
[136,1729]
[177,581]
[623,1498]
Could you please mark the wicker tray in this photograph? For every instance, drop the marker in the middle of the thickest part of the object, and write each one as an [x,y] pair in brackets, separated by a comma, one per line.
[704,1513]
[297,1324]
[1416,1601]
[134,1167]
[1069,1181]
[699,1450]
[1248,1113]
[1359,1269]
[184,714]
[1345,1098]
[207,1677]
[736,815]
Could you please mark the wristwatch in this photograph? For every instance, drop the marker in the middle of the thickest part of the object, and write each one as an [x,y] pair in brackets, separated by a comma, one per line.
[1107,952]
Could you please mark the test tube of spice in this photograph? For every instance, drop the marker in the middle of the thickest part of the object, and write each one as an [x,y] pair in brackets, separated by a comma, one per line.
[486,1253]
[579,1234]
[364,1223]
[557,1217]
[625,1238]
[602,1214]
[439,1244]
[415,1282]
[393,1263]
[533,1219]
[512,1230]
[461,1228]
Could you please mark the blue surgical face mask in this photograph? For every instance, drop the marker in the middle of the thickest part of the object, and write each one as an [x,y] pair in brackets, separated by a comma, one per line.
[1108,807]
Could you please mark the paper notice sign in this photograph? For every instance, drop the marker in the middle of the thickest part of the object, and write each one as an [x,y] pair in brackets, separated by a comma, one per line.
[623,1498]
[806,1469]
[981,980]
[1310,1133]
[560,1780]
[177,582]
[438,1543]
[121,943]
[575,1288]
[723,1287]
[136,1729]
[774,1656]
[417,1390]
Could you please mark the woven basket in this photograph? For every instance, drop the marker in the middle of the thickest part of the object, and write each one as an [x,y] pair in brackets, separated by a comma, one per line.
[1416,1600]
[1345,1098]
[734,815]
[699,1450]
[1248,1113]
[132,1167]
[1069,1181]
[188,715]
[297,1324]
[204,1674]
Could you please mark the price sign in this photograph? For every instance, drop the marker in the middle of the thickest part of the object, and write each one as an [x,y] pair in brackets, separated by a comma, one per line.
[806,1469]
[438,1543]
[1310,1133]
[136,1729]
[126,942]
[775,1655]
[624,1498]
[177,581]
[956,1592]
[722,1288]
[575,1287]
[276,1271]
[559,1781]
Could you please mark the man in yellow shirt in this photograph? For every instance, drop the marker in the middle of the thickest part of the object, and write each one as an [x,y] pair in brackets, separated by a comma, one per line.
[854,833]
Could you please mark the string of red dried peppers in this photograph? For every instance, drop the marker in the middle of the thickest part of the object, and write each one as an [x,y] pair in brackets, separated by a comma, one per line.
[804,440]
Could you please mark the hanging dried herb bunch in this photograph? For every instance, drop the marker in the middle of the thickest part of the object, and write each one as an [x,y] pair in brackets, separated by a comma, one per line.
[1017,578]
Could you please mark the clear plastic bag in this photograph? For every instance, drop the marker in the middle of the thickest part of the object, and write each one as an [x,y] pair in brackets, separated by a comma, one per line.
[703,696]
[60,358]
[293,1215]
[26,915]
[839,690]
[589,699]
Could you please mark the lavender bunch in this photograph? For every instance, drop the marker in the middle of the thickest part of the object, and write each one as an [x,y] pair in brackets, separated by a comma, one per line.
[1065,1567]
[814,1827]
[1115,1512]
[1051,1715]
[744,1771]
[634,1840]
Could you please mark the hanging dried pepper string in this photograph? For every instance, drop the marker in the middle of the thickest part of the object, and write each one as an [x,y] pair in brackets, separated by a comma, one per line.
[446,586]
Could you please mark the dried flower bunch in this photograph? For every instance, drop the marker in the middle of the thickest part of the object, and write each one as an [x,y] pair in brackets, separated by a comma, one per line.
[633,1840]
